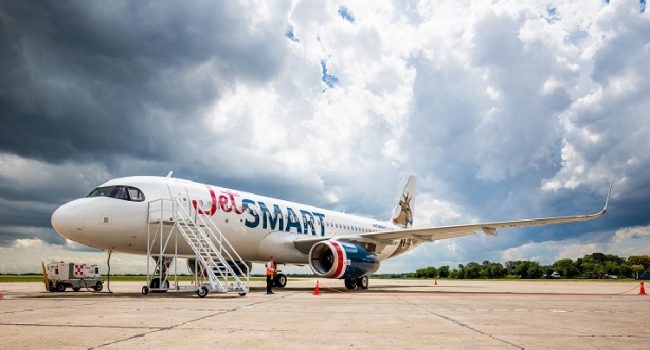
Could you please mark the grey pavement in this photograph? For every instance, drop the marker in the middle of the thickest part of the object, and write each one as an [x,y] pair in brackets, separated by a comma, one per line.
[391,314]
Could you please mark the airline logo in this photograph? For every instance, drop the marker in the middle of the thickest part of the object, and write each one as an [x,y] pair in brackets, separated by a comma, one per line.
[258,213]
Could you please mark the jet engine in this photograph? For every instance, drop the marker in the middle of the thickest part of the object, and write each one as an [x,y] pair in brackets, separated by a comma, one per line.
[335,259]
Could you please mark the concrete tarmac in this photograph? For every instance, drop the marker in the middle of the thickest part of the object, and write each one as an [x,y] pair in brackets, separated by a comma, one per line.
[410,314]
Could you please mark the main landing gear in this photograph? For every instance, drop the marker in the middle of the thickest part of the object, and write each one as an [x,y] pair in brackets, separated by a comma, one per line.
[280,280]
[357,283]
[156,286]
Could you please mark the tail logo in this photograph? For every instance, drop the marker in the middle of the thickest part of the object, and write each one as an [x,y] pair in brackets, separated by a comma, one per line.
[405,215]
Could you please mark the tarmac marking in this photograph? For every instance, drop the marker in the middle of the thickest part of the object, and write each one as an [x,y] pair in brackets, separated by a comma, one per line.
[462,324]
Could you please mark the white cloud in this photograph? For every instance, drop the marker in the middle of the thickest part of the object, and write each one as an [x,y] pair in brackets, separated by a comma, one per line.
[25,256]
[476,97]
[430,211]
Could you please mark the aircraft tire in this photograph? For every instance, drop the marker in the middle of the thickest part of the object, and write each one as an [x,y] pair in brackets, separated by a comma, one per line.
[350,283]
[362,282]
[280,280]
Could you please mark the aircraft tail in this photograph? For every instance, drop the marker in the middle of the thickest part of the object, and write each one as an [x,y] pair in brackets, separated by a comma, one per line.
[403,214]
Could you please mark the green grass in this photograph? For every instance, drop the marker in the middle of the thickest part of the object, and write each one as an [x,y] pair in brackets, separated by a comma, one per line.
[116,278]
[21,278]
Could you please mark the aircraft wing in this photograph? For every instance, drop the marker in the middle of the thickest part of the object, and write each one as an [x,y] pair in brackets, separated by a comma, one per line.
[443,232]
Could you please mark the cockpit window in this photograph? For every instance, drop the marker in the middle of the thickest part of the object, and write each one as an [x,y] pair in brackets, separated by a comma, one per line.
[135,194]
[120,192]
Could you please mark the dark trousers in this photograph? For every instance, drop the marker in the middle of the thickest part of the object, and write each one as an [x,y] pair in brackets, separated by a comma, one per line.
[269,284]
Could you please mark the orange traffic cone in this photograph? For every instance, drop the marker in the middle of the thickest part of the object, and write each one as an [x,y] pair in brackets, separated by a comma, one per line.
[435,282]
[317,288]
[642,289]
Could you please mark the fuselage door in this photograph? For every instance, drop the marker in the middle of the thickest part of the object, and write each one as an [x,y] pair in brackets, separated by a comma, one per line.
[178,192]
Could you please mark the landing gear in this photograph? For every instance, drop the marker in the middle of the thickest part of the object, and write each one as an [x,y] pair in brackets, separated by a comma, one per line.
[362,282]
[350,283]
[280,280]
[357,283]
[156,284]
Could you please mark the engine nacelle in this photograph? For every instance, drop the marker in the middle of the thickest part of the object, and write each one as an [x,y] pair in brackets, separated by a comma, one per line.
[334,259]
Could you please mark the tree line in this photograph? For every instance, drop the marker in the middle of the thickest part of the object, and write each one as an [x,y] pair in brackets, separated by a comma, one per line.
[595,265]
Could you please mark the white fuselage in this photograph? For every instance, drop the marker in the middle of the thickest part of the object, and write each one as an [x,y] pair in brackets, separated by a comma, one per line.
[258,227]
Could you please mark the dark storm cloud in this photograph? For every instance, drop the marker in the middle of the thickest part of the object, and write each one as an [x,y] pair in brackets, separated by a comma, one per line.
[22,213]
[8,235]
[121,84]
[82,79]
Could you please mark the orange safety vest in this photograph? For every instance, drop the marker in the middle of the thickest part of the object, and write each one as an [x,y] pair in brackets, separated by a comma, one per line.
[270,268]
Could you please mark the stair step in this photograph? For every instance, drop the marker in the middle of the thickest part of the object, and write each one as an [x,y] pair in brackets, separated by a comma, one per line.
[209,244]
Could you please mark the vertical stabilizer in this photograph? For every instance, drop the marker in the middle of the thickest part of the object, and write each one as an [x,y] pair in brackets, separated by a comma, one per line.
[403,214]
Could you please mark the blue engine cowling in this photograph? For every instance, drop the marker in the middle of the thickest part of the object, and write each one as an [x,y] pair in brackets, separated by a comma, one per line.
[334,259]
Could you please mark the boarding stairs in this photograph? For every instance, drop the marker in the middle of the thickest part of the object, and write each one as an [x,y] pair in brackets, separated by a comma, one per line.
[218,267]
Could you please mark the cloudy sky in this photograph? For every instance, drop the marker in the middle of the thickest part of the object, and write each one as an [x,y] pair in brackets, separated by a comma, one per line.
[503,109]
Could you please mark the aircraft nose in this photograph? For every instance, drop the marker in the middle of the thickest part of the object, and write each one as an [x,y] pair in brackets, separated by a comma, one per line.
[67,221]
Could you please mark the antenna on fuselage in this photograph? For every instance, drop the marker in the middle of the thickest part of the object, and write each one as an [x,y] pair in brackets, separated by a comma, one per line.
[170,173]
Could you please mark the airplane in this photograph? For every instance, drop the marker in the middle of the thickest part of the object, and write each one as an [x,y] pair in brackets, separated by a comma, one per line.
[113,217]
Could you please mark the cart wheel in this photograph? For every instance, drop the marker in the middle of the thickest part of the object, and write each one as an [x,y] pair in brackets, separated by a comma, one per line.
[202,292]
[145,290]
[76,289]
[98,287]
[242,294]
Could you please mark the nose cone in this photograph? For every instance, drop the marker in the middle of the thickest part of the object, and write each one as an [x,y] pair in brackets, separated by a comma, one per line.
[67,221]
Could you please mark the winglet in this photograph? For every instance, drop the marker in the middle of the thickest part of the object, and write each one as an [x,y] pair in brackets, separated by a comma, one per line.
[170,173]
[608,193]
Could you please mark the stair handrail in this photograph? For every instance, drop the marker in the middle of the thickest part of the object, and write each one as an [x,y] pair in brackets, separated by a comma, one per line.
[206,237]
[185,217]
[236,259]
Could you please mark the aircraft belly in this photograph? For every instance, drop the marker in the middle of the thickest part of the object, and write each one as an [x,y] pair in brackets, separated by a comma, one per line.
[280,245]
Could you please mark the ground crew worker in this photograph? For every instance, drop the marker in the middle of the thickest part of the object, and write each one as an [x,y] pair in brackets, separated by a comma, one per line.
[270,273]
